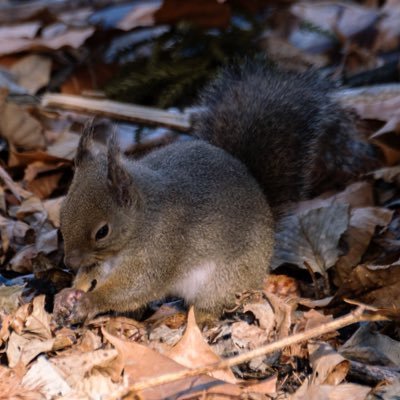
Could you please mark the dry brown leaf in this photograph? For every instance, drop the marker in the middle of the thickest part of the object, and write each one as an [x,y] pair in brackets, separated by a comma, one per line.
[24,30]
[11,388]
[371,347]
[376,285]
[312,237]
[72,37]
[329,367]
[10,299]
[65,146]
[34,338]
[346,20]
[75,367]
[32,72]
[283,311]
[52,207]
[31,205]
[38,322]
[266,386]
[314,318]
[18,126]
[193,351]
[14,233]
[168,316]
[248,337]
[22,260]
[21,350]
[346,391]
[45,375]
[5,323]
[389,174]
[44,186]
[264,315]
[363,222]
[140,15]
[28,157]
[358,194]
[388,37]
[140,362]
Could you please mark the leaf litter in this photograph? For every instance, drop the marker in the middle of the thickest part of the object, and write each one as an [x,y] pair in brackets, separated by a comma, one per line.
[337,249]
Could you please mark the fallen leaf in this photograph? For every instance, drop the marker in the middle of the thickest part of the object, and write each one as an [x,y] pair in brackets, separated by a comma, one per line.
[45,375]
[22,260]
[193,351]
[376,285]
[140,362]
[389,174]
[65,146]
[11,388]
[349,391]
[10,298]
[44,186]
[264,315]
[23,30]
[363,222]
[388,37]
[32,72]
[248,337]
[371,347]
[329,367]
[312,237]
[18,126]
[52,207]
[38,322]
[14,233]
[75,367]
[23,350]
[140,15]
[54,40]
[169,316]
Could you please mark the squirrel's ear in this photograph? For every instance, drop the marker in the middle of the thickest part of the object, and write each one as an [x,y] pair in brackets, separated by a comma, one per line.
[118,178]
[83,150]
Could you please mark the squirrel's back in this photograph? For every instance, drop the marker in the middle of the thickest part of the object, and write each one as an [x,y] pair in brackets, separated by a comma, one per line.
[284,126]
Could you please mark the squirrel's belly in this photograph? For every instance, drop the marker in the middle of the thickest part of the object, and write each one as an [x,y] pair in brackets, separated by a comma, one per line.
[193,281]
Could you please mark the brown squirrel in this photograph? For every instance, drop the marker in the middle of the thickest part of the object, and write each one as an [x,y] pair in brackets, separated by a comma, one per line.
[196,219]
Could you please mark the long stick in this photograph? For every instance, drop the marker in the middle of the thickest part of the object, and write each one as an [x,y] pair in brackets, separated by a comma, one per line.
[115,109]
[351,318]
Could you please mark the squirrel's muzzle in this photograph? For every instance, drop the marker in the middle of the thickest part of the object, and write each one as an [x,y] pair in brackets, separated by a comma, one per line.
[75,261]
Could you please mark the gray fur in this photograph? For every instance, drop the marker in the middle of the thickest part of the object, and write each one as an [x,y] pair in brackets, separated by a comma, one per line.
[198,205]
[192,210]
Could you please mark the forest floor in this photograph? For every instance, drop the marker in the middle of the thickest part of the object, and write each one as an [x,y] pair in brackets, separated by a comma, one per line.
[326,324]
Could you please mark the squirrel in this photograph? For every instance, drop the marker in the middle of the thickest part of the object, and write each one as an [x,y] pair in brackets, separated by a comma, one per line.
[196,219]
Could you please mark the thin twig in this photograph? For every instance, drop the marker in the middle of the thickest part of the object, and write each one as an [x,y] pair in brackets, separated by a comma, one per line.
[351,318]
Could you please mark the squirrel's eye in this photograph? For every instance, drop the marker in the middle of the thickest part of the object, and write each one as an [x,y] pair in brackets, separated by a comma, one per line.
[102,232]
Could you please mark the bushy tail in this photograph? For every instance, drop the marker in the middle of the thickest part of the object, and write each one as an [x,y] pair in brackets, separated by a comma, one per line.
[284,126]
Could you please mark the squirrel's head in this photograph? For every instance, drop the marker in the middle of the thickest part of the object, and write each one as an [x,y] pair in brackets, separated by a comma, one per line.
[98,212]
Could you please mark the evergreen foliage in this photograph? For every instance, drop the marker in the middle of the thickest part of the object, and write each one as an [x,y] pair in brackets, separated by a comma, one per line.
[181,62]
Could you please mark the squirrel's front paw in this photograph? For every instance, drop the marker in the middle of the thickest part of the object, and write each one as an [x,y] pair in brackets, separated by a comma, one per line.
[71,306]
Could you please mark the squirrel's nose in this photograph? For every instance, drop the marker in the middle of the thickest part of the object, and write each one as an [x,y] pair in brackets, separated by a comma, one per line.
[73,261]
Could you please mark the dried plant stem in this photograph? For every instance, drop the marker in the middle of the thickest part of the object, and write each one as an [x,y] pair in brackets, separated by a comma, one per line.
[351,318]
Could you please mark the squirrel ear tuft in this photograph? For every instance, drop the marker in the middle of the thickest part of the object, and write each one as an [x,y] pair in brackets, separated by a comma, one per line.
[118,178]
[83,150]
